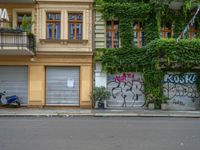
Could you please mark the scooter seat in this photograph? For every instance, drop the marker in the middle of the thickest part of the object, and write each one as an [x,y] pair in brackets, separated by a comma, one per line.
[10,97]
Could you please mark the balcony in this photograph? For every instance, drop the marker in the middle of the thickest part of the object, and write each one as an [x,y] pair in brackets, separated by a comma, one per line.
[16,42]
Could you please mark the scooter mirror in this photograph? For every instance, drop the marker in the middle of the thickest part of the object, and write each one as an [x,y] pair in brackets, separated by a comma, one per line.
[4,92]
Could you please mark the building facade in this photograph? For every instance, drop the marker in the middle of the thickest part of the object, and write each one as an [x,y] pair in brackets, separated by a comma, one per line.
[127,89]
[52,64]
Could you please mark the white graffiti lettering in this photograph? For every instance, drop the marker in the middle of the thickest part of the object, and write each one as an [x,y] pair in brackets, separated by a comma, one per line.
[181,78]
[126,90]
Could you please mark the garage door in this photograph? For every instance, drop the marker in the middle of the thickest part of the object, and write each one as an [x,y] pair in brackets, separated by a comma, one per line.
[14,80]
[62,86]
[126,90]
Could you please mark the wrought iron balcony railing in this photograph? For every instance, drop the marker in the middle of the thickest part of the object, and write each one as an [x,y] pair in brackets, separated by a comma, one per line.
[16,41]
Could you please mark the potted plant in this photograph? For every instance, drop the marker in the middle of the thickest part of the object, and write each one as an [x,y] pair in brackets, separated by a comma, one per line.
[99,97]
[164,103]
[26,25]
[150,101]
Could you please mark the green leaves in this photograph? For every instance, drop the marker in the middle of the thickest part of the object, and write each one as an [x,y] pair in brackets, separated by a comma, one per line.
[161,51]
[100,94]
[26,24]
[124,9]
[158,55]
[126,32]
[153,61]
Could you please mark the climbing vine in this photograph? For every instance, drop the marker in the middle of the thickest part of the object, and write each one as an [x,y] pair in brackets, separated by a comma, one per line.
[158,55]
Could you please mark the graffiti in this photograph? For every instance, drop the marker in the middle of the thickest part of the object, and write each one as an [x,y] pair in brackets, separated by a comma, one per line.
[173,90]
[181,78]
[124,77]
[178,102]
[126,90]
[181,89]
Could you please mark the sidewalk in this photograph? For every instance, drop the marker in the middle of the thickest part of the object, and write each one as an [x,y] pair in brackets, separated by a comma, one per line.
[64,112]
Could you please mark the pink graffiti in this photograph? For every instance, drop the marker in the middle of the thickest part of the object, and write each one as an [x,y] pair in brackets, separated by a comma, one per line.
[123,77]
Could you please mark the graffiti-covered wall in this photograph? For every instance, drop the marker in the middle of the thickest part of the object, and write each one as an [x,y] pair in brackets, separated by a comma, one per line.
[182,91]
[126,90]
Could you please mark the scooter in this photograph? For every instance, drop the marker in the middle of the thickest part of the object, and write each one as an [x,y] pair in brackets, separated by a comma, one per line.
[12,101]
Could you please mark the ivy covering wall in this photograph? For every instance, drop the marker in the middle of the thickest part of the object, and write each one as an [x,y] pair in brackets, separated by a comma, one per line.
[158,55]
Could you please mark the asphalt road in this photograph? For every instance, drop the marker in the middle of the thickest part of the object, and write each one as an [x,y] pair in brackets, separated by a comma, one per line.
[99,134]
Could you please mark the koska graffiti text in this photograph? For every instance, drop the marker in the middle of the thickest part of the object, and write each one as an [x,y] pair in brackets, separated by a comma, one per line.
[190,78]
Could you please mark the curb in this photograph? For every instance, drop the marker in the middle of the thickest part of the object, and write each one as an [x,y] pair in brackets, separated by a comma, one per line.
[148,115]
[101,115]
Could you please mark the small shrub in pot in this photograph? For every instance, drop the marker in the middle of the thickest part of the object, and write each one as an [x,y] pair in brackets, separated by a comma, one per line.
[99,95]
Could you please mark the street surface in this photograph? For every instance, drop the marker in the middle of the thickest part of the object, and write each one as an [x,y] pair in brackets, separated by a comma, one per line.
[90,133]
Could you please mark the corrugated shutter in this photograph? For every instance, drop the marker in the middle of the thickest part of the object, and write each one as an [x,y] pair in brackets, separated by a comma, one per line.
[126,90]
[62,86]
[14,80]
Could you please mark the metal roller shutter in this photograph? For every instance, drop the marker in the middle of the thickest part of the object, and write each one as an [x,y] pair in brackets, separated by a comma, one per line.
[14,80]
[62,86]
[127,90]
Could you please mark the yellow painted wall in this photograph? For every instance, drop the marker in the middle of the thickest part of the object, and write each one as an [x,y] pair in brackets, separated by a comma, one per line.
[13,9]
[36,89]
[37,74]
[39,11]
[51,53]
[64,43]
[86,86]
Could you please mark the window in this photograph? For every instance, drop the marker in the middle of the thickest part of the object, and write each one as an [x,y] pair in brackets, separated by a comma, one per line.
[166,30]
[192,31]
[20,17]
[53,26]
[75,26]
[138,34]
[112,35]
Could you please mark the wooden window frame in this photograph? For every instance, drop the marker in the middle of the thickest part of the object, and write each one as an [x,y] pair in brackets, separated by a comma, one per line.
[112,30]
[164,30]
[75,22]
[17,11]
[23,13]
[192,31]
[53,25]
[139,31]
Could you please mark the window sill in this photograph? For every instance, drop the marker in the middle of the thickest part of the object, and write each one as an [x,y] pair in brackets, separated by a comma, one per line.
[49,41]
[84,42]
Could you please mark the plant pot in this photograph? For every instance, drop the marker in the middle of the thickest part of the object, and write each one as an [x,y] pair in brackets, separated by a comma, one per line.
[164,106]
[151,106]
[100,105]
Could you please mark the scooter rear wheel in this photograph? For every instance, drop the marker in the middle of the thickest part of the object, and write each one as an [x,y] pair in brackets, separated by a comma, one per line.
[18,104]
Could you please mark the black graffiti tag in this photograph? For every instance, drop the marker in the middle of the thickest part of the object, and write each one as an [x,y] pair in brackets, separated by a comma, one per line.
[126,87]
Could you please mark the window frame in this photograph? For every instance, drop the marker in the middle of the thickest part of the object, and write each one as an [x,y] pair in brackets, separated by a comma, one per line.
[16,11]
[53,26]
[23,13]
[192,31]
[112,30]
[75,22]
[139,31]
[164,30]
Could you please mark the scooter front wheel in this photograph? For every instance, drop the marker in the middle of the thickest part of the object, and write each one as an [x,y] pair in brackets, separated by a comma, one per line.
[16,104]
